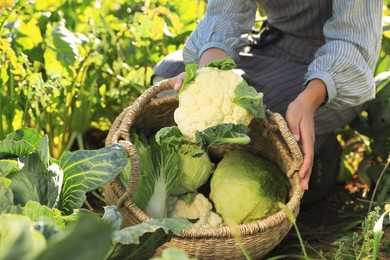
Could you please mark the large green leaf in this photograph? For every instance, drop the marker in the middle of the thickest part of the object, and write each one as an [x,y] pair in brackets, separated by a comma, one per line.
[141,241]
[18,238]
[61,52]
[10,148]
[20,142]
[132,234]
[31,182]
[149,242]
[32,179]
[26,134]
[37,212]
[29,39]
[65,43]
[85,171]
[87,239]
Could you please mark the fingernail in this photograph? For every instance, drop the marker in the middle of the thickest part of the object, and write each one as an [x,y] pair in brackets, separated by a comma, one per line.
[306,186]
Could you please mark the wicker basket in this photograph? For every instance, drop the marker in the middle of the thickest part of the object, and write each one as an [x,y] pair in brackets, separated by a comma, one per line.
[270,138]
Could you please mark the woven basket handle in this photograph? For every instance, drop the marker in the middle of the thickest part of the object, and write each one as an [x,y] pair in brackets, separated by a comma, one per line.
[120,131]
[292,145]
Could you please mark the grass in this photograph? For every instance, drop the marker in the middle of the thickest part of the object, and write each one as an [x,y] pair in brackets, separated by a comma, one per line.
[336,228]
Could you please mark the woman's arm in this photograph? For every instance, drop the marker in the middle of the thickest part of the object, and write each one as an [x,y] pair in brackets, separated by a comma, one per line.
[341,73]
[347,60]
[300,121]
[222,27]
[218,35]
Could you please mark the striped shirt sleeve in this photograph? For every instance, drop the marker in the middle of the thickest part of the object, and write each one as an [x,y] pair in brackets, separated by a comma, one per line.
[347,60]
[221,27]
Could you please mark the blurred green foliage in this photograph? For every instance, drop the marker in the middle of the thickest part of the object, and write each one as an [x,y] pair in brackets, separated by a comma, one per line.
[69,65]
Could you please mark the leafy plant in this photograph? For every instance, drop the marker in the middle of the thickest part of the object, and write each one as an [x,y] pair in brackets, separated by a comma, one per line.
[68,67]
[29,174]
[37,233]
[363,245]
[159,176]
[40,215]
[140,241]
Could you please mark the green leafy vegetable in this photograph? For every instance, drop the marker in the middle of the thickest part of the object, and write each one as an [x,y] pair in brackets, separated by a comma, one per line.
[26,134]
[18,238]
[36,212]
[222,134]
[141,241]
[85,171]
[159,176]
[222,64]
[8,166]
[87,238]
[195,170]
[247,97]
[195,165]
[250,183]
[171,135]
[190,76]
[31,182]
[26,164]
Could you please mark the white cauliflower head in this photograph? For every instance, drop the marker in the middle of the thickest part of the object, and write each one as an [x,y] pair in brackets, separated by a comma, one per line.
[213,98]
[208,101]
[200,208]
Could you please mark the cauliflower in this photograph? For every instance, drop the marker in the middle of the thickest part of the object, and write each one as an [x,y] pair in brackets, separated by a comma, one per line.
[203,105]
[200,208]
[215,95]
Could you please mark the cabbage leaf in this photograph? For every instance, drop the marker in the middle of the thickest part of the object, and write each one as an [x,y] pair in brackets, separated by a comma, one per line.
[159,176]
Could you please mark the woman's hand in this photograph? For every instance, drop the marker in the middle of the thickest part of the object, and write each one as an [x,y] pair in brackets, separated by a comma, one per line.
[177,82]
[300,120]
[207,56]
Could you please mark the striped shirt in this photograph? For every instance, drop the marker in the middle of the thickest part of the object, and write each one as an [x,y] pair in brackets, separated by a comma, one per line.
[346,36]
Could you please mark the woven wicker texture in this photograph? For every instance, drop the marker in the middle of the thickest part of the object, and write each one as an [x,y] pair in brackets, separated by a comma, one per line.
[270,138]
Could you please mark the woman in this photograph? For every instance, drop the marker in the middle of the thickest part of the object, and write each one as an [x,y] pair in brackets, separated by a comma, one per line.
[313,60]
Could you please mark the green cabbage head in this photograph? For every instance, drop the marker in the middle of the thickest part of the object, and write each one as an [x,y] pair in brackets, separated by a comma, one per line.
[195,170]
[246,187]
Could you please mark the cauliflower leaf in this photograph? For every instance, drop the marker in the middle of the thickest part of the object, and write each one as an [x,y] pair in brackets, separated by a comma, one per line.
[222,134]
[247,97]
[223,64]
[190,76]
